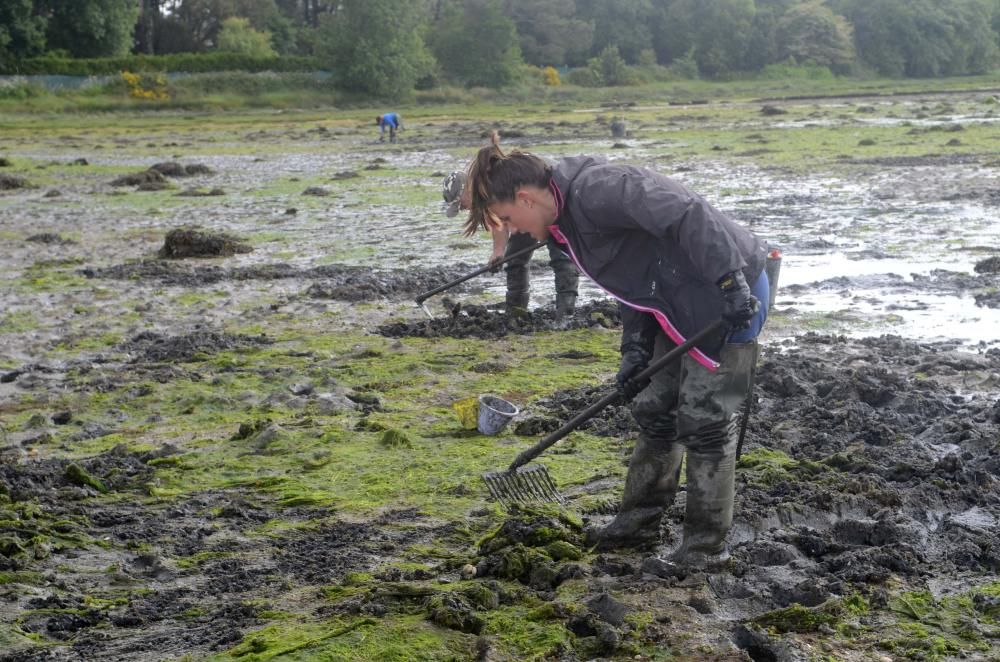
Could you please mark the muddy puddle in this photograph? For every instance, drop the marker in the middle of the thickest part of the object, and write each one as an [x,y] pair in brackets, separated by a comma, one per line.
[255,456]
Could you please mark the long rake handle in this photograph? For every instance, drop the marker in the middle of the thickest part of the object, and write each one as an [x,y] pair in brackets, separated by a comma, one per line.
[489,267]
[531,453]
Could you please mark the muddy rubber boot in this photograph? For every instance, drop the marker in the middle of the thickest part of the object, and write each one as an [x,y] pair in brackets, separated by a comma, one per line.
[567,281]
[711,486]
[517,288]
[565,305]
[650,487]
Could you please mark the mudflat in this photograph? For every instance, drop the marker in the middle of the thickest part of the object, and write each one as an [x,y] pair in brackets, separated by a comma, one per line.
[226,430]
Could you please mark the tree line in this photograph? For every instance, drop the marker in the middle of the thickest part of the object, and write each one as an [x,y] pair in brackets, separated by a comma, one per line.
[386,47]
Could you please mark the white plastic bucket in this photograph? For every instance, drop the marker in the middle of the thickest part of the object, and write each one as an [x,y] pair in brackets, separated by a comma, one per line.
[494,414]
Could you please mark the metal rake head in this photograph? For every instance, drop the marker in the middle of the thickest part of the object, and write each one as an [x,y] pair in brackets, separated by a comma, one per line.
[524,485]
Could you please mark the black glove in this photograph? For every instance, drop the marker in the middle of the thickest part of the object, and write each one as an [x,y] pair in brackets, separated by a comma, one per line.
[738,305]
[634,361]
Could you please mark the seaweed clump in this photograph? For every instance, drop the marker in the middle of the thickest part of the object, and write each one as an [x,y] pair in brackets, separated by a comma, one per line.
[195,242]
[533,546]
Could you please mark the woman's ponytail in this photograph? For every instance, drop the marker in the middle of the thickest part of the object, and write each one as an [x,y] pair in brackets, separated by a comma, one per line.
[496,177]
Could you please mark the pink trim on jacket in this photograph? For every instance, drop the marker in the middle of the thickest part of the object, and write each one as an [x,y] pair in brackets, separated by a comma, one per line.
[661,318]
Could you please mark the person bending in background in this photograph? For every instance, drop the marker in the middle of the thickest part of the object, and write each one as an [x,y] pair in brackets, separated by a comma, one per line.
[391,121]
[676,264]
[567,279]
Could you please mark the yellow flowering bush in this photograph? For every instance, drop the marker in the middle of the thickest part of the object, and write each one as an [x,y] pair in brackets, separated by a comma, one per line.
[551,77]
[146,86]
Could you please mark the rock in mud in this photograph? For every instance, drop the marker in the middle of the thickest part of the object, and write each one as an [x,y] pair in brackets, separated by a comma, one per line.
[608,609]
[194,242]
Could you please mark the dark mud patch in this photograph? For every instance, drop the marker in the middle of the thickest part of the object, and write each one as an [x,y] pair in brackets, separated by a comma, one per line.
[557,409]
[49,238]
[887,448]
[117,470]
[174,169]
[12,182]
[152,347]
[867,464]
[339,282]
[990,265]
[195,242]
[200,193]
[114,579]
[988,300]
[473,321]
[332,551]
[144,178]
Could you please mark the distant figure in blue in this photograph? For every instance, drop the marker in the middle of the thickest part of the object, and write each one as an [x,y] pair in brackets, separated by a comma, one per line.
[393,122]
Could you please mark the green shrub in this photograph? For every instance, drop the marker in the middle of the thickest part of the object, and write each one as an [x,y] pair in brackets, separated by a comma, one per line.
[685,66]
[19,88]
[609,68]
[583,77]
[237,36]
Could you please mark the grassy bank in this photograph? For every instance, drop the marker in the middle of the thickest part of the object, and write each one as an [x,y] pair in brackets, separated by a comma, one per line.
[268,90]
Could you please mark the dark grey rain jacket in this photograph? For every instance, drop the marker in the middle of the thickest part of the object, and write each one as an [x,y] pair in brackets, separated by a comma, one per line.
[652,244]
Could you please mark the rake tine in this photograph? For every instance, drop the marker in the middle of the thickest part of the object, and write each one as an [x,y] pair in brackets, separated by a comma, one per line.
[537,485]
[488,479]
[501,489]
[546,486]
[522,486]
[519,489]
[496,487]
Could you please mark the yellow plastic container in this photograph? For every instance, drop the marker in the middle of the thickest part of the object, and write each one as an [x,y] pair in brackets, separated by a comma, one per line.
[467,412]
